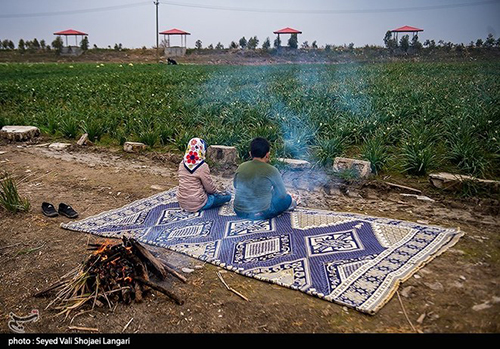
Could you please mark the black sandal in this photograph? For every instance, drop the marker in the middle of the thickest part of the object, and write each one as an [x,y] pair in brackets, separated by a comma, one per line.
[67,210]
[49,210]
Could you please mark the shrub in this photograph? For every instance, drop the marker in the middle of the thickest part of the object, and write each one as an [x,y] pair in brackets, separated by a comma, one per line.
[468,155]
[166,135]
[148,137]
[94,128]
[418,149]
[375,151]
[69,127]
[181,141]
[326,149]
[9,196]
[418,158]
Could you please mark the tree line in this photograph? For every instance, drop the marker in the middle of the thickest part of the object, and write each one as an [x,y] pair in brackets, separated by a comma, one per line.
[404,44]
[253,42]
[56,45]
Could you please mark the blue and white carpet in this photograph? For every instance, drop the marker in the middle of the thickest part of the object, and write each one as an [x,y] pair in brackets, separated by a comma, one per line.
[350,259]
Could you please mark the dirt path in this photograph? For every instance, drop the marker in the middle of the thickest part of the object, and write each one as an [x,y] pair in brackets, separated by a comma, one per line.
[458,292]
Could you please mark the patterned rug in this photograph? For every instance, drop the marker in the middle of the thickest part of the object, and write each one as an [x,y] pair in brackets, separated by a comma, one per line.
[350,259]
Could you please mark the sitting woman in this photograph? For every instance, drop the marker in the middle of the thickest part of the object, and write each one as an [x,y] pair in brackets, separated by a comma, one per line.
[196,190]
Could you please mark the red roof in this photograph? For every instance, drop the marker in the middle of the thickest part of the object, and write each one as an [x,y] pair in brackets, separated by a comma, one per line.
[287,30]
[70,32]
[407,28]
[174,32]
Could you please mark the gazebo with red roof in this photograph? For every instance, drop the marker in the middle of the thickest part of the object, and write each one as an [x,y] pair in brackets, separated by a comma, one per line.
[71,32]
[286,30]
[406,29]
[175,31]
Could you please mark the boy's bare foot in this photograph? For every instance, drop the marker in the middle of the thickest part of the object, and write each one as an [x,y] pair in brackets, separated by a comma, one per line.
[296,198]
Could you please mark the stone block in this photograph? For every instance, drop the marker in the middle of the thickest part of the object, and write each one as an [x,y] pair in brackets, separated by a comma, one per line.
[295,164]
[450,181]
[362,167]
[19,133]
[134,147]
[223,155]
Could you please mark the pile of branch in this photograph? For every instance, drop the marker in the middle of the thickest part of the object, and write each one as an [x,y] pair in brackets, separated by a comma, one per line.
[112,273]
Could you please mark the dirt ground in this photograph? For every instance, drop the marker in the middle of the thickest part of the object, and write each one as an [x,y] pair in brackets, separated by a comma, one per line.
[458,292]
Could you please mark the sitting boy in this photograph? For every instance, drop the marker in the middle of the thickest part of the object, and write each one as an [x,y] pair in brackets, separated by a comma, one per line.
[260,191]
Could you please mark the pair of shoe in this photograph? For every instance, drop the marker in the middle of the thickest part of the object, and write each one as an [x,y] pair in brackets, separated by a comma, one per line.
[66,210]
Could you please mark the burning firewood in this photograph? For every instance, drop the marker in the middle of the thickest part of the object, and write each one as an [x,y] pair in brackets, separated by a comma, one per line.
[112,273]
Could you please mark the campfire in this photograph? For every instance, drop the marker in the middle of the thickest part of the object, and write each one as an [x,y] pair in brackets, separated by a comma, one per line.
[114,272]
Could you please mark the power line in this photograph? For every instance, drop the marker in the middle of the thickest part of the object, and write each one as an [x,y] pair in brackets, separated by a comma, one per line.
[242,9]
[71,12]
[383,10]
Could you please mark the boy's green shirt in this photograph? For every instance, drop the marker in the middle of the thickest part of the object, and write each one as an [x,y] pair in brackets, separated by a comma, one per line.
[256,183]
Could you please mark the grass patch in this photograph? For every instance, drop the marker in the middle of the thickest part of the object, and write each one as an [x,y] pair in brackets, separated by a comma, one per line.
[9,196]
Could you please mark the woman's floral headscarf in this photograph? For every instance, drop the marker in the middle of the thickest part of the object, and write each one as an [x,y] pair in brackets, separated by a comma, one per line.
[195,154]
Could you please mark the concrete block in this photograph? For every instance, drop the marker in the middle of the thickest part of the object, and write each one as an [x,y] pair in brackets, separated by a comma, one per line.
[222,155]
[19,133]
[362,167]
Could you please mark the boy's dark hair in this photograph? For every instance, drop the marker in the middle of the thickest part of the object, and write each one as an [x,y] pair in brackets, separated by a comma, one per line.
[259,147]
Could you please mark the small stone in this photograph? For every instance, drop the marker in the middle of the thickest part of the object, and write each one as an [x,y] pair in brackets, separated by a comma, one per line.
[433,316]
[84,140]
[59,146]
[436,286]
[482,306]
[421,318]
[187,270]
[353,194]
[456,251]
[133,147]
[157,187]
[407,291]
[362,167]
[457,284]
[418,197]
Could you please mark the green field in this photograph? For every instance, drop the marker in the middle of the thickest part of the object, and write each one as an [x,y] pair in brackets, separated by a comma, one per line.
[405,117]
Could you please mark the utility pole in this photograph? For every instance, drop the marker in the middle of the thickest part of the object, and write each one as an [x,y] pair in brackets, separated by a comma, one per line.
[157,2]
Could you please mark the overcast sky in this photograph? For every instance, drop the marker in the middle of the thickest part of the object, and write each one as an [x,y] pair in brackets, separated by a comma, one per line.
[133,22]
